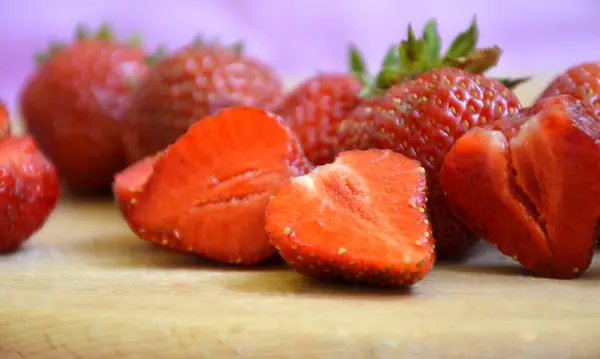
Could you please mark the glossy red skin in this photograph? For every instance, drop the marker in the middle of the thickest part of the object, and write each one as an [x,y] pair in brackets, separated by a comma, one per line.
[190,84]
[314,110]
[529,184]
[581,81]
[422,119]
[29,191]
[73,104]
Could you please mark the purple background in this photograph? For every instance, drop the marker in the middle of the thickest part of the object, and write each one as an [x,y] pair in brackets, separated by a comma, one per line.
[300,36]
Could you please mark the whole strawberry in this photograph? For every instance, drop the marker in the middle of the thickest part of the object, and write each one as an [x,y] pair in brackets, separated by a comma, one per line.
[314,109]
[29,194]
[194,82]
[581,81]
[73,103]
[421,102]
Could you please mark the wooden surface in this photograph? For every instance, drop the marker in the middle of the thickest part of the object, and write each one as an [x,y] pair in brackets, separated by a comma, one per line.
[84,287]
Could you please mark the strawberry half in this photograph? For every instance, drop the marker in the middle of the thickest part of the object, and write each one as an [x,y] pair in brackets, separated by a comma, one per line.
[131,181]
[208,192]
[30,191]
[128,183]
[530,185]
[360,219]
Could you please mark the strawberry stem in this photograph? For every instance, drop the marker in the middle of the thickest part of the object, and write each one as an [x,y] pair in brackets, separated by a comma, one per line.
[416,55]
[200,40]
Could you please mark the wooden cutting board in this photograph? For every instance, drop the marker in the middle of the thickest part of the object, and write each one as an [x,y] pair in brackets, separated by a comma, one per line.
[84,287]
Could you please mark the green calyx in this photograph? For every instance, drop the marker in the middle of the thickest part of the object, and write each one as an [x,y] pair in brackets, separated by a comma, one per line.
[200,40]
[104,32]
[416,55]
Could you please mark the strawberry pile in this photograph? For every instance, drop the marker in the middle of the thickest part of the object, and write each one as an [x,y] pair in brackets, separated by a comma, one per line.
[359,177]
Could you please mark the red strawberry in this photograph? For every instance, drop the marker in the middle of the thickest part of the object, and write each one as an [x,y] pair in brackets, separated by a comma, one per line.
[208,193]
[131,180]
[190,84]
[73,103]
[30,191]
[5,127]
[128,183]
[530,185]
[581,81]
[360,219]
[314,109]
[422,118]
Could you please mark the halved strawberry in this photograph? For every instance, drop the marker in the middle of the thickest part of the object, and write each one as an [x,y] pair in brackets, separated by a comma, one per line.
[29,191]
[360,219]
[530,185]
[209,191]
[131,180]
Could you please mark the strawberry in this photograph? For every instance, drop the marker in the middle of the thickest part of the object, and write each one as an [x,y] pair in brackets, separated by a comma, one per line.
[360,219]
[188,85]
[29,194]
[130,181]
[420,102]
[314,109]
[422,118]
[208,192]
[73,103]
[581,81]
[530,184]
[5,127]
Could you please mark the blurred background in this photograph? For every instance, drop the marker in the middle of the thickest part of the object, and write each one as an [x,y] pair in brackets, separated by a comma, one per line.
[299,37]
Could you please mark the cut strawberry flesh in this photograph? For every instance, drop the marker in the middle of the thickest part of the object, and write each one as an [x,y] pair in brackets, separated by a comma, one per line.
[532,188]
[210,190]
[361,218]
[131,180]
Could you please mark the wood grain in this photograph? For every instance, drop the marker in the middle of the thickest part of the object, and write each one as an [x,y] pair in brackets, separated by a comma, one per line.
[85,287]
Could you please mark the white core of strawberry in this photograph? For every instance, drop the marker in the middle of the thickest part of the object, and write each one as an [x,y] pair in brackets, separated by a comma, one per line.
[532,126]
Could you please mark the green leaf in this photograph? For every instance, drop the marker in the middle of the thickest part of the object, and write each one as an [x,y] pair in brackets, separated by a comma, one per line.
[238,47]
[408,50]
[512,83]
[135,40]
[82,32]
[433,42]
[478,61]
[104,32]
[157,55]
[391,58]
[412,56]
[464,43]
[356,62]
